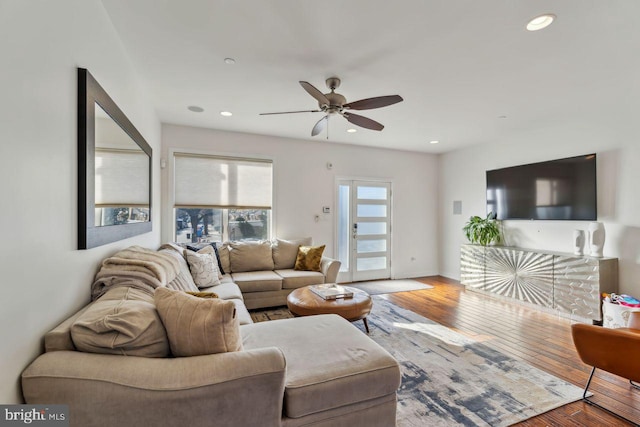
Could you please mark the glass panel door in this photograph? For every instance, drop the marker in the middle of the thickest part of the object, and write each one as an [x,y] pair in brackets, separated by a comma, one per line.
[364,230]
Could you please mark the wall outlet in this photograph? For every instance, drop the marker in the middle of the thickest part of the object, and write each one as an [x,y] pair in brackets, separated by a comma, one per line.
[326,209]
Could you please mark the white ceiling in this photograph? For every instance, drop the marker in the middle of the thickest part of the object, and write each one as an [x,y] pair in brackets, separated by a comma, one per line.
[459,65]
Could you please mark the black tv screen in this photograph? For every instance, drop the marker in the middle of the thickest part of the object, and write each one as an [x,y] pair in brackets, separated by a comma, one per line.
[563,189]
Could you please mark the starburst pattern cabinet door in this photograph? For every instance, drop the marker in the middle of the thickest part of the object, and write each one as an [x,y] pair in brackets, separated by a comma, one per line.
[526,276]
[472,266]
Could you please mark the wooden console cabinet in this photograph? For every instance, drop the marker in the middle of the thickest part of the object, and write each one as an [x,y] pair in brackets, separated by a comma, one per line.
[564,283]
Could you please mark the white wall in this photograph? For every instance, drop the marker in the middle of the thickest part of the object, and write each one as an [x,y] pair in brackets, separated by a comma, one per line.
[462,177]
[44,278]
[303,185]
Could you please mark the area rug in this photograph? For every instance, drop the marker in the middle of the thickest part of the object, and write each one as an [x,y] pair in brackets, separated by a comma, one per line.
[449,379]
[377,287]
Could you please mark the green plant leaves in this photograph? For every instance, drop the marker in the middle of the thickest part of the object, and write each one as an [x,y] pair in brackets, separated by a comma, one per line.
[482,230]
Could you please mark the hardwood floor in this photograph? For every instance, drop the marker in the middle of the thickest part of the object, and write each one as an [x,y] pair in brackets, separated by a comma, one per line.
[540,339]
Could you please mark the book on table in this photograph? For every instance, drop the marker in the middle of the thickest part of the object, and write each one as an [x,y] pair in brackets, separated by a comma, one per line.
[331,291]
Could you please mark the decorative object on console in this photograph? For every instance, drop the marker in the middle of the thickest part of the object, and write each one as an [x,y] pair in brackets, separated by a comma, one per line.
[596,239]
[578,242]
[482,230]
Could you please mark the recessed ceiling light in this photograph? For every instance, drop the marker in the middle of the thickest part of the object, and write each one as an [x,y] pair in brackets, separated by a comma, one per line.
[195,108]
[352,130]
[229,61]
[540,22]
[226,113]
[434,142]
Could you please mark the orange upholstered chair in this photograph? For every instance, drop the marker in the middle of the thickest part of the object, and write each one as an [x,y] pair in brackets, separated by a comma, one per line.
[612,350]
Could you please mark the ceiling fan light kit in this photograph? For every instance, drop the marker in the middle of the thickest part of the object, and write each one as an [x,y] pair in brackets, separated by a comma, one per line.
[333,103]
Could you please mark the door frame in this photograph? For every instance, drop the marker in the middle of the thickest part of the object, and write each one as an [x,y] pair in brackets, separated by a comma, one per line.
[344,277]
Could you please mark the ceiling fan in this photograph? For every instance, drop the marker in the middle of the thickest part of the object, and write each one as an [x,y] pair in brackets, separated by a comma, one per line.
[333,103]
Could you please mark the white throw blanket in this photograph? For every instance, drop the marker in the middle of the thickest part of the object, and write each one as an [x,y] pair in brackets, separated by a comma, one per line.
[136,267]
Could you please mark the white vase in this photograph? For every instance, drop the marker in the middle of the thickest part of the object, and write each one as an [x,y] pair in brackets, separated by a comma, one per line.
[578,242]
[596,238]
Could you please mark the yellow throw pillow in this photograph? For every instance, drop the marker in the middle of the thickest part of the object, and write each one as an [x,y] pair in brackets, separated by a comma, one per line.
[203,294]
[309,258]
[197,326]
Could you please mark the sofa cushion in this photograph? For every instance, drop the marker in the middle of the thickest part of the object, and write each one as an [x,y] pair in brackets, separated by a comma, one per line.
[250,256]
[223,256]
[293,279]
[285,252]
[309,258]
[330,363]
[197,326]
[183,280]
[227,290]
[256,281]
[203,266]
[123,321]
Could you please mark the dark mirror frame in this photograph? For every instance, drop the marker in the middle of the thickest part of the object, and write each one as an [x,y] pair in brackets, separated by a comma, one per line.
[90,236]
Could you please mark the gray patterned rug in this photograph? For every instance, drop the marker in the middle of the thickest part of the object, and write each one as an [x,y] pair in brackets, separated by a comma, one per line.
[449,379]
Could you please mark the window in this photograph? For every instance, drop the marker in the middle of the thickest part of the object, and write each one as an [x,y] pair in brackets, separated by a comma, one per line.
[222,198]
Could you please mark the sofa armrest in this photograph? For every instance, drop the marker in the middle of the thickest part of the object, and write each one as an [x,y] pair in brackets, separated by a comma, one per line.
[330,268]
[118,390]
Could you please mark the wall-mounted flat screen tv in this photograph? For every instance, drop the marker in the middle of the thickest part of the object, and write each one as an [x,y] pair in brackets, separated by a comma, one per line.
[563,189]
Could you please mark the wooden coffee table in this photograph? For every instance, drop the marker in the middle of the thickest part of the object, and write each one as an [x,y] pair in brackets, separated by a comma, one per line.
[303,302]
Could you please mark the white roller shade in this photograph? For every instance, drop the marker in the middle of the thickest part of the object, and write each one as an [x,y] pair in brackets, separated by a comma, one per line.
[222,182]
[121,178]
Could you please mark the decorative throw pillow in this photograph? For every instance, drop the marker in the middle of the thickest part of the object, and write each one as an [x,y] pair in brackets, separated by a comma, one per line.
[286,251]
[309,258]
[215,249]
[197,326]
[203,266]
[203,294]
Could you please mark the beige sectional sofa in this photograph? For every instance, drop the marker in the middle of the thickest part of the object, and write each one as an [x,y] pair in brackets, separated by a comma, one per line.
[112,364]
[264,270]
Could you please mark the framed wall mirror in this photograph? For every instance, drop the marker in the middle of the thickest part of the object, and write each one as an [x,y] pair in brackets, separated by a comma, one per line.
[114,170]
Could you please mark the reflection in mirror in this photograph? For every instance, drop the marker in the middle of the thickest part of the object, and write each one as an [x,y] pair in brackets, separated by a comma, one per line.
[121,175]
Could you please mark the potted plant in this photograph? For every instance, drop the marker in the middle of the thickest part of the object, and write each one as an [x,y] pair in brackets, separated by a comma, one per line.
[482,230]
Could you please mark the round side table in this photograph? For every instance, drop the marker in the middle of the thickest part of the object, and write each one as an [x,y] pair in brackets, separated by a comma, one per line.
[304,302]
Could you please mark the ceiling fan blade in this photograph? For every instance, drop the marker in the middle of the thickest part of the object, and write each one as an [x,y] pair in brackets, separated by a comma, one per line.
[371,103]
[363,121]
[319,127]
[311,90]
[291,112]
